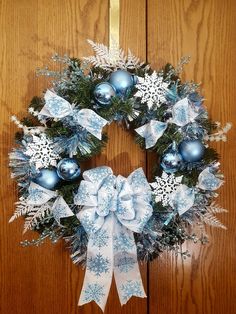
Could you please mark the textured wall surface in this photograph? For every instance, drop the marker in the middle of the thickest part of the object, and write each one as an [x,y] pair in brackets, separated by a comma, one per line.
[43,280]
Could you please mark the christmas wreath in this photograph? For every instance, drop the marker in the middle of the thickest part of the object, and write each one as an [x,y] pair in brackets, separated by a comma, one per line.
[110,222]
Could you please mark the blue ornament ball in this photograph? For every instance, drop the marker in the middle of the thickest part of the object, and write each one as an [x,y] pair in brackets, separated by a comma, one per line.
[191,150]
[47,178]
[122,81]
[171,160]
[68,169]
[104,92]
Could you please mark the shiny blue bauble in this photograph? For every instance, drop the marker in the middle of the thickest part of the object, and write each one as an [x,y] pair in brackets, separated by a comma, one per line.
[171,160]
[103,93]
[122,81]
[191,150]
[68,169]
[47,178]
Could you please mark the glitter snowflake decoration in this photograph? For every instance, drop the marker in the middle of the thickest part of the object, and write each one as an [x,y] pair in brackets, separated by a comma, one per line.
[98,264]
[100,238]
[125,263]
[164,186]
[41,152]
[123,242]
[152,89]
[94,291]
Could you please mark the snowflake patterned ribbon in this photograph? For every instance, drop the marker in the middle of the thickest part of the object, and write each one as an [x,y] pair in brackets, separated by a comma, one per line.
[59,108]
[183,112]
[152,131]
[39,196]
[113,208]
[182,199]
[208,181]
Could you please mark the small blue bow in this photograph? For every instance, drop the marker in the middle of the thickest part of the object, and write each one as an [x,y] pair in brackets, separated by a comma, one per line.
[59,108]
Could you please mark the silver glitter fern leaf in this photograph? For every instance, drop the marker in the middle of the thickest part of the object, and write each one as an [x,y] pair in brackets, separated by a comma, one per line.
[33,213]
[215,208]
[112,59]
[209,217]
[22,208]
[38,213]
[211,220]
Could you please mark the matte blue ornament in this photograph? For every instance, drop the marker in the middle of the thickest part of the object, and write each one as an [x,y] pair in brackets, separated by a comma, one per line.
[171,160]
[191,150]
[104,92]
[68,169]
[122,81]
[47,178]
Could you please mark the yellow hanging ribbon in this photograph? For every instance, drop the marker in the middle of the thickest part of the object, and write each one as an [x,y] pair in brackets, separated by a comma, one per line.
[114,24]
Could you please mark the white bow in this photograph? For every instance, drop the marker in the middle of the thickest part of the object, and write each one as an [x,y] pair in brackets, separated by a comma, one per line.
[113,208]
[59,108]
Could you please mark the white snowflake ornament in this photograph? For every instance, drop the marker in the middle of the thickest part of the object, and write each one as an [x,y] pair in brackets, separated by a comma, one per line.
[151,89]
[41,151]
[164,186]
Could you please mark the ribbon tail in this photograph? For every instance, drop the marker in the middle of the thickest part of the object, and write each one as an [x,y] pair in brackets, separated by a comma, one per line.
[99,270]
[91,121]
[126,269]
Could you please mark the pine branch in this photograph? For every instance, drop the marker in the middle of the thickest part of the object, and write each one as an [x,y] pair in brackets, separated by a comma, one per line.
[120,109]
[36,103]
[210,155]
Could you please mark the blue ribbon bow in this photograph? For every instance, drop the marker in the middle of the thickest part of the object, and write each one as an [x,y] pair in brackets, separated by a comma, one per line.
[58,108]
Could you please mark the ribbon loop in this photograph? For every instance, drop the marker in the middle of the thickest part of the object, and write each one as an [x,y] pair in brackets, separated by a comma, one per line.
[55,106]
[152,131]
[38,195]
[183,112]
[112,210]
[91,121]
